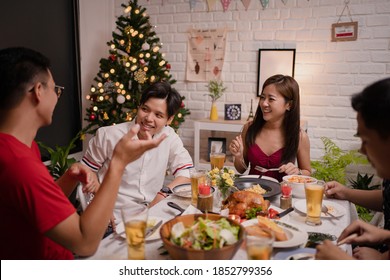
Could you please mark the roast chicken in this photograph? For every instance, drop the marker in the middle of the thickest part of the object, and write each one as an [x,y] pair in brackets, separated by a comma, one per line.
[240,201]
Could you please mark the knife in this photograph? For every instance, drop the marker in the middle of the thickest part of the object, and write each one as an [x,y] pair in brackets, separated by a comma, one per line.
[285,212]
[151,230]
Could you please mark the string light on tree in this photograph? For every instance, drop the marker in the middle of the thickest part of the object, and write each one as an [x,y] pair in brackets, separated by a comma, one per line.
[128,70]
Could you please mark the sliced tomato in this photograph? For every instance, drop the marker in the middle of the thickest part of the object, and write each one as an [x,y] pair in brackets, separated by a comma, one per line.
[272,213]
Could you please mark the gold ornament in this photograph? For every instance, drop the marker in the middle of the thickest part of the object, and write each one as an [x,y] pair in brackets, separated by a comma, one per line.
[128,47]
[105,116]
[128,29]
[140,76]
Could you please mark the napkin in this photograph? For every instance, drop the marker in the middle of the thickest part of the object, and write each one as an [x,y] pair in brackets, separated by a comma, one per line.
[193,210]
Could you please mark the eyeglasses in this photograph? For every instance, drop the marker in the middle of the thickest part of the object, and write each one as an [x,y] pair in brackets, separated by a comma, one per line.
[59,90]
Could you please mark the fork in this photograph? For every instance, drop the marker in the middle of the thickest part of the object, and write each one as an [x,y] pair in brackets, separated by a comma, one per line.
[325,210]
[263,170]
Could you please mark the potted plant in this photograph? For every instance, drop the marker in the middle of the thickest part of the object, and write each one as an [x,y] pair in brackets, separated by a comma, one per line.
[59,157]
[363,183]
[333,163]
[216,89]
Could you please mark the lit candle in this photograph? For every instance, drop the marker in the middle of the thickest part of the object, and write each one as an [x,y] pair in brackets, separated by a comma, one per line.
[204,189]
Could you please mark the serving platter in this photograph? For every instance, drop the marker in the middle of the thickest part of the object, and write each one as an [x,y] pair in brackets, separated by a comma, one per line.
[271,187]
[296,237]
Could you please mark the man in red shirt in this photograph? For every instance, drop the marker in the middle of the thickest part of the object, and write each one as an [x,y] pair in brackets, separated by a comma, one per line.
[40,221]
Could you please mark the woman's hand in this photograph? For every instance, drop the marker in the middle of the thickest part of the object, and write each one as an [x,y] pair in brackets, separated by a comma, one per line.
[236,147]
[289,169]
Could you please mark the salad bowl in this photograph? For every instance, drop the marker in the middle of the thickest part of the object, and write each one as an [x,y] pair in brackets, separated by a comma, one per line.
[177,252]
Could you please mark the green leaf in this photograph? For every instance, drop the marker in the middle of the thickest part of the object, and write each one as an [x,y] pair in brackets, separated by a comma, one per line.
[334,161]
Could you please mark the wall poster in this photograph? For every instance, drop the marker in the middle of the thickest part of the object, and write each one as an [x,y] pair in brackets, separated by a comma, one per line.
[205,54]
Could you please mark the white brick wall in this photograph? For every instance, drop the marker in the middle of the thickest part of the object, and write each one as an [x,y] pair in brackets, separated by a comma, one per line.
[328,72]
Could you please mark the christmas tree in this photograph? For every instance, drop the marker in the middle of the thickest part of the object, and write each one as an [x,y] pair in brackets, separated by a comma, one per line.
[133,64]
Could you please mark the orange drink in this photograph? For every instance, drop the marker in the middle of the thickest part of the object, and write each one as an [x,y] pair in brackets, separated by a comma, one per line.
[135,217]
[217,160]
[260,247]
[314,194]
[135,237]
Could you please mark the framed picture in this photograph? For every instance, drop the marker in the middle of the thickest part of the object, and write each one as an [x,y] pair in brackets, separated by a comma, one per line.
[232,112]
[272,62]
[216,145]
[344,31]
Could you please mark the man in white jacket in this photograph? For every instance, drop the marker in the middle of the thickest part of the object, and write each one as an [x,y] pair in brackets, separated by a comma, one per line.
[143,179]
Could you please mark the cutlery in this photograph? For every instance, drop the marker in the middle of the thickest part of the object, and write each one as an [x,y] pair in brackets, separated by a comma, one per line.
[263,170]
[285,212]
[325,210]
[151,230]
[302,256]
[175,206]
[347,239]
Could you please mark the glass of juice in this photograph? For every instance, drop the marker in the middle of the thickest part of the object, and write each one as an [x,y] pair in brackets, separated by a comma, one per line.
[135,217]
[260,247]
[314,194]
[217,160]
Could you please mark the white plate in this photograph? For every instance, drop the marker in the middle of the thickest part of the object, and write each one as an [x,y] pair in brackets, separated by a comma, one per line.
[183,190]
[334,208]
[120,228]
[296,237]
[294,253]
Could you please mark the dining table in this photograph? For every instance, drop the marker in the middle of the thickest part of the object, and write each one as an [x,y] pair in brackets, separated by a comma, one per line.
[114,246]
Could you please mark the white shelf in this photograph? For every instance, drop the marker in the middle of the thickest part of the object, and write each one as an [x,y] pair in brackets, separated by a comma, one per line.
[219,125]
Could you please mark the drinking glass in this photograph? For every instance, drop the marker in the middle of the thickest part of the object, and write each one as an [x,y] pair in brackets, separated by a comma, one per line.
[135,217]
[198,177]
[217,160]
[260,247]
[314,194]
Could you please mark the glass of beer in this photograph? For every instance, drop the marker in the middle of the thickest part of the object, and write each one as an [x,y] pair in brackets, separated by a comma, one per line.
[217,160]
[198,177]
[314,194]
[135,217]
[260,247]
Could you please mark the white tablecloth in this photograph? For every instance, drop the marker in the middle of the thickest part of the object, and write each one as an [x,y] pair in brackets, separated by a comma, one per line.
[114,247]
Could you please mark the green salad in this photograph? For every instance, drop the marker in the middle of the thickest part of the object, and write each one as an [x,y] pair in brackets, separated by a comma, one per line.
[205,234]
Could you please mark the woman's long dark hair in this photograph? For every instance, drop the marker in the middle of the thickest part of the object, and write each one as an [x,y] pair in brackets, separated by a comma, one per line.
[289,89]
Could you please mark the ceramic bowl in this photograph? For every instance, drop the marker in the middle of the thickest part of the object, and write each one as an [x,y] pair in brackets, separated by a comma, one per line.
[180,253]
[297,184]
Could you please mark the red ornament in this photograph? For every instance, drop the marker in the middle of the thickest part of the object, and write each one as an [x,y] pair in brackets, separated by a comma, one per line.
[113,57]
[182,105]
[92,117]
[168,66]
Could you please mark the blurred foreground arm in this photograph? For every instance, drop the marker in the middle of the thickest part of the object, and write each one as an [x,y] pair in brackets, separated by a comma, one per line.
[82,234]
